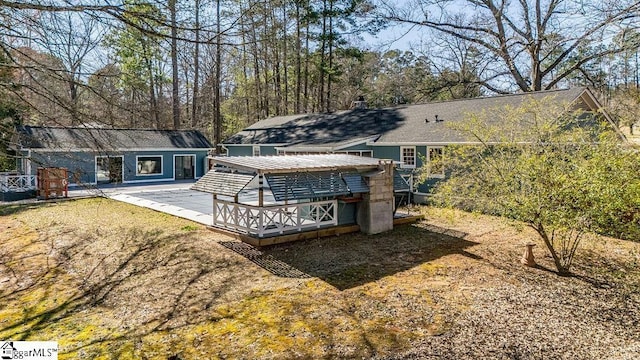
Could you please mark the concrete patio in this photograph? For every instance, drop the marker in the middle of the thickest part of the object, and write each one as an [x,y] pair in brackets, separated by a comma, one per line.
[174,199]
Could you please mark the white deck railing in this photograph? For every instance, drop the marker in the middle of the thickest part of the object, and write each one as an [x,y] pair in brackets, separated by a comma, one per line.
[17,183]
[274,220]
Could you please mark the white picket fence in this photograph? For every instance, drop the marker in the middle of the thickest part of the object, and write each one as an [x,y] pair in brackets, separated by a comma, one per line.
[274,220]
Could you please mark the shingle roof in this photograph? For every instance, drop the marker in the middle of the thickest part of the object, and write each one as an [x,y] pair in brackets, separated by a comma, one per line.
[293,163]
[222,183]
[401,124]
[69,138]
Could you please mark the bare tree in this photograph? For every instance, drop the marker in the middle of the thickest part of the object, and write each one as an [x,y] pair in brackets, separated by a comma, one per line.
[535,43]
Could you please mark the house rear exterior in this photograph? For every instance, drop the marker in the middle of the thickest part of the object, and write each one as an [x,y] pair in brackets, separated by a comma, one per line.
[410,135]
[100,156]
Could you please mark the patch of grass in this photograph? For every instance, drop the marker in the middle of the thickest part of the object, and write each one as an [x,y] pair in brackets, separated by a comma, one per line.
[156,286]
[191,228]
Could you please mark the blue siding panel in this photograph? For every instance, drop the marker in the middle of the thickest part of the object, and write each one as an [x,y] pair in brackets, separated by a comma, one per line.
[82,165]
[240,150]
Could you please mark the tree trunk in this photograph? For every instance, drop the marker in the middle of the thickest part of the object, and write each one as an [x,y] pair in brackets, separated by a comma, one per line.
[321,65]
[155,114]
[298,59]
[175,94]
[73,94]
[539,228]
[284,57]
[277,78]
[217,128]
[329,75]
[306,69]
[196,68]
[245,66]
[256,70]
[265,54]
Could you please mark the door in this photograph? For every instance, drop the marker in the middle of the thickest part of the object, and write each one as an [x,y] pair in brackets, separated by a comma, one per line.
[184,167]
[108,169]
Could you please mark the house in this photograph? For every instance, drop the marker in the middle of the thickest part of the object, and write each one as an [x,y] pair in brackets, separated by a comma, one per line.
[101,156]
[405,134]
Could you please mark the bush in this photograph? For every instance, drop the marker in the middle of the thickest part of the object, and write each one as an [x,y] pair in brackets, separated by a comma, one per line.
[560,172]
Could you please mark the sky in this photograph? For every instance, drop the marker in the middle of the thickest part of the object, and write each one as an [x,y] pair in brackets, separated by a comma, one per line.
[401,37]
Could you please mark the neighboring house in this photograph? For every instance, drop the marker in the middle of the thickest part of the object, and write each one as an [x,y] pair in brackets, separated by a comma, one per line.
[99,155]
[406,134]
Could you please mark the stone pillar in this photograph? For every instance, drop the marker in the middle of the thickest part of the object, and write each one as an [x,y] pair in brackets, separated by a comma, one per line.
[375,211]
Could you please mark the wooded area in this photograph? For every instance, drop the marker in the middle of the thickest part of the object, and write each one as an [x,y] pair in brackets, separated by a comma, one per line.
[219,65]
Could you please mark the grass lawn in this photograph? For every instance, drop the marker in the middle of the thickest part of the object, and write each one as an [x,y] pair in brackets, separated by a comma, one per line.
[110,280]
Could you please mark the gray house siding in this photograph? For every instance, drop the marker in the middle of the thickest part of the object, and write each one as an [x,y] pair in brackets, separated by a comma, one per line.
[81,166]
[268,150]
[362,146]
[241,150]
[393,152]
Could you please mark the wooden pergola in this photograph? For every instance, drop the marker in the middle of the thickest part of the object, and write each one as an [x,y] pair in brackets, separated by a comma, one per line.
[305,189]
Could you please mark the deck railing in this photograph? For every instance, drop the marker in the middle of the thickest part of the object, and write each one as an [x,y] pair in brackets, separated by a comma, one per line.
[17,183]
[274,220]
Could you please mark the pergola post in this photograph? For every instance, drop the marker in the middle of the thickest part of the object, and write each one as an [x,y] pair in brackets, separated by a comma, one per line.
[260,190]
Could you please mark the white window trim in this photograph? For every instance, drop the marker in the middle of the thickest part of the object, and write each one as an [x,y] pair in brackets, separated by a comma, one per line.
[435,176]
[95,166]
[161,165]
[195,164]
[254,149]
[403,165]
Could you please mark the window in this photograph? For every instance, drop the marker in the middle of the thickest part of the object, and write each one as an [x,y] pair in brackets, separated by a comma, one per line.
[149,165]
[436,164]
[408,156]
[256,150]
[363,153]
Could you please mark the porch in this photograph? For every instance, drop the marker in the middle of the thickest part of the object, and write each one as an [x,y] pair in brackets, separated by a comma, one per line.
[259,198]
[276,219]
[12,182]
[14,186]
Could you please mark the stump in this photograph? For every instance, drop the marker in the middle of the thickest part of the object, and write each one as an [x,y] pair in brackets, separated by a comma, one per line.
[527,257]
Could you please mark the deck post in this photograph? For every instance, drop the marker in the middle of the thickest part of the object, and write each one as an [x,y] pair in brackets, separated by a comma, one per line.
[215,205]
[260,190]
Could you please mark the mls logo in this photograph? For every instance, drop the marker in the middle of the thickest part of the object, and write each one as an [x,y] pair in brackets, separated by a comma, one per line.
[6,350]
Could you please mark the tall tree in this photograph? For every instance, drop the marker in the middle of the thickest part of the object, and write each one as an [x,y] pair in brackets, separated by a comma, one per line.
[136,48]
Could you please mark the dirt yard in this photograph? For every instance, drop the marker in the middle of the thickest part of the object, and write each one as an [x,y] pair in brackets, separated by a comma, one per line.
[109,280]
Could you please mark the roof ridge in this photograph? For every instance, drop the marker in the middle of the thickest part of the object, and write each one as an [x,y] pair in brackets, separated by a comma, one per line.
[489,97]
[296,116]
[97,128]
